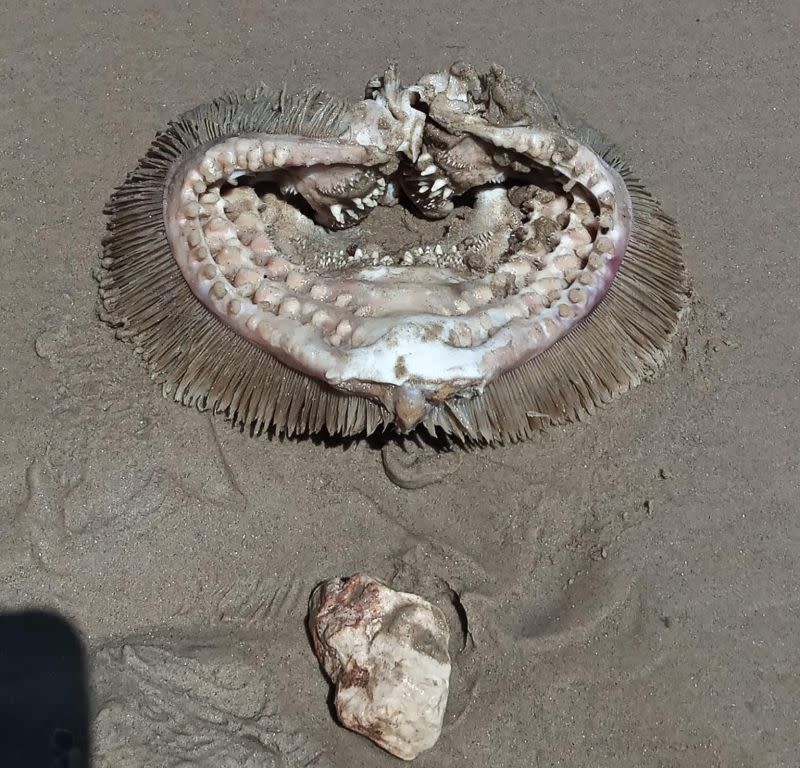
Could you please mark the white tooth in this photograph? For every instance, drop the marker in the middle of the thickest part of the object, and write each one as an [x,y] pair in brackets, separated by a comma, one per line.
[428,171]
[438,184]
[381,183]
[423,187]
[336,210]
[359,203]
[438,250]
[446,194]
[370,202]
[358,254]
[351,213]
[420,251]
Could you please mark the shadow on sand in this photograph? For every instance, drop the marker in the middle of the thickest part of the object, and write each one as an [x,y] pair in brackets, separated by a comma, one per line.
[44,709]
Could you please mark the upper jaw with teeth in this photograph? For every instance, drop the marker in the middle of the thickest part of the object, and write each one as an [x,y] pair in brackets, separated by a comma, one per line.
[350,211]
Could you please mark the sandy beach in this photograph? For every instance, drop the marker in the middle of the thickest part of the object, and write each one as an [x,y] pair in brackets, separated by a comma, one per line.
[621,592]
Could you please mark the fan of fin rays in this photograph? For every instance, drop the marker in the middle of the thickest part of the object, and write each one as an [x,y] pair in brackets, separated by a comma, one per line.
[241,262]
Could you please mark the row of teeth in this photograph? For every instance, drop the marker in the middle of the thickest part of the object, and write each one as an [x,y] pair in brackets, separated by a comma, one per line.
[427,256]
[229,237]
[287,300]
[438,187]
[564,305]
[578,164]
[370,200]
[434,187]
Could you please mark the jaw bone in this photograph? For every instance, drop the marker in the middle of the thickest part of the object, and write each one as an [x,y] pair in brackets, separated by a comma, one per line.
[566,297]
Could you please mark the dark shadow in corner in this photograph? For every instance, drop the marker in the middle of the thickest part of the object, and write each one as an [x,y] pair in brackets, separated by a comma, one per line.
[44,698]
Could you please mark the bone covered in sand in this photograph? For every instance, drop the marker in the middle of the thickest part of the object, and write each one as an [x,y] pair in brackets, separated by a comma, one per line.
[247,261]
[387,654]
